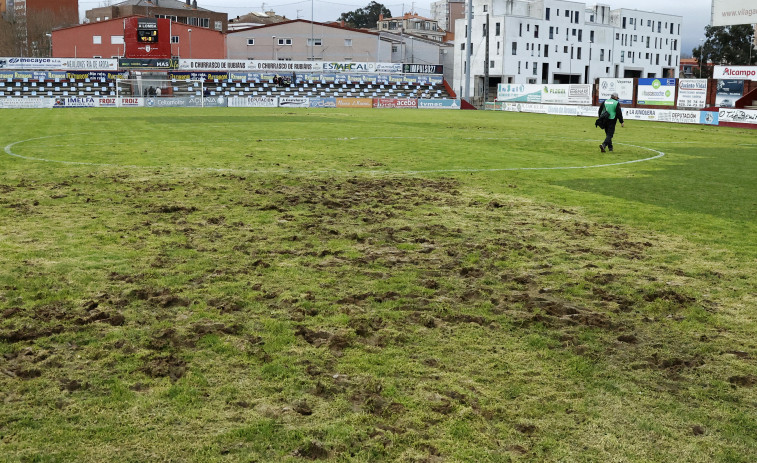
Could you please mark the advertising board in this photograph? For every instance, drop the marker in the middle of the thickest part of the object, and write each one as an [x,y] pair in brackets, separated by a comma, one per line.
[438,104]
[395,103]
[728,92]
[75,102]
[328,102]
[519,92]
[293,102]
[253,102]
[579,94]
[735,72]
[692,93]
[623,87]
[656,92]
[18,103]
[90,64]
[354,103]
[733,12]
[738,116]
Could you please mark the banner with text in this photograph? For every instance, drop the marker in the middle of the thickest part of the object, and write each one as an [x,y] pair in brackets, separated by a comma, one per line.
[733,12]
[91,64]
[656,92]
[735,72]
[579,94]
[395,103]
[692,93]
[623,87]
[254,102]
[438,104]
[738,116]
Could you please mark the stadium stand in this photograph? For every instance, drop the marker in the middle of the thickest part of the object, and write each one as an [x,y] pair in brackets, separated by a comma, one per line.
[300,88]
[27,88]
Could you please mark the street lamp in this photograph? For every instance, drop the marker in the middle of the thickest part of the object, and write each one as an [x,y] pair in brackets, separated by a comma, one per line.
[190,43]
[701,52]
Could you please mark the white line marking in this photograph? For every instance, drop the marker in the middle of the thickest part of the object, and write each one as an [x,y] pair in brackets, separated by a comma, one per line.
[9,151]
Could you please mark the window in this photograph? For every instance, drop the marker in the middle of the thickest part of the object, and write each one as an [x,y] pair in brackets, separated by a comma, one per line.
[316,42]
[497,29]
[347,42]
[534,67]
[547,15]
[536,32]
[546,51]
[624,22]
[565,49]
[515,48]
[97,39]
[520,30]
[591,36]
[484,30]
[623,56]
[491,64]
[250,42]
[551,32]
[580,35]
[578,53]
[285,41]
[518,67]
[395,48]
[462,46]
[116,39]
[485,8]
[559,65]
[567,13]
[601,54]
[647,42]
[175,39]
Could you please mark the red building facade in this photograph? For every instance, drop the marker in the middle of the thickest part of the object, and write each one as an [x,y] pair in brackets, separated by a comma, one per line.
[111,39]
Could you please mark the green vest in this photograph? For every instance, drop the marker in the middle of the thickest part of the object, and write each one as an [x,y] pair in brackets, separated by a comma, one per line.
[611,106]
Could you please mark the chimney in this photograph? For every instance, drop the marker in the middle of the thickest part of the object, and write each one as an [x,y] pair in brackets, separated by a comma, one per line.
[381,17]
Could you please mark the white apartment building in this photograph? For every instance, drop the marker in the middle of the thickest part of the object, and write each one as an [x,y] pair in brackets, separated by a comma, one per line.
[558,41]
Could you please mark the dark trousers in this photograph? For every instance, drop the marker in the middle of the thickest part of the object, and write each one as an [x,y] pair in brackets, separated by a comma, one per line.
[609,132]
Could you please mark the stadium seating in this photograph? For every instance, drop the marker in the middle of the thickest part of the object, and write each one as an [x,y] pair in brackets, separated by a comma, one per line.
[300,88]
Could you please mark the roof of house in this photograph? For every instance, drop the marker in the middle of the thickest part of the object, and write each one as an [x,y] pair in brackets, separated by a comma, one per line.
[172,4]
[409,16]
[123,18]
[257,17]
[290,21]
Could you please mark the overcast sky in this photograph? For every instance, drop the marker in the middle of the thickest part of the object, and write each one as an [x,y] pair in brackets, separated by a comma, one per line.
[696,13]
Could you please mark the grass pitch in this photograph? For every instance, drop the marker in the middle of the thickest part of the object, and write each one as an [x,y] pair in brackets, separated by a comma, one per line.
[278,285]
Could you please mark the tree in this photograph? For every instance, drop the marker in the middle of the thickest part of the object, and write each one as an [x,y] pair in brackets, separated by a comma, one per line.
[732,45]
[367,17]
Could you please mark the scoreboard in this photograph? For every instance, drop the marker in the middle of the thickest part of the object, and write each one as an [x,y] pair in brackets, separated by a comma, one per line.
[147,38]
